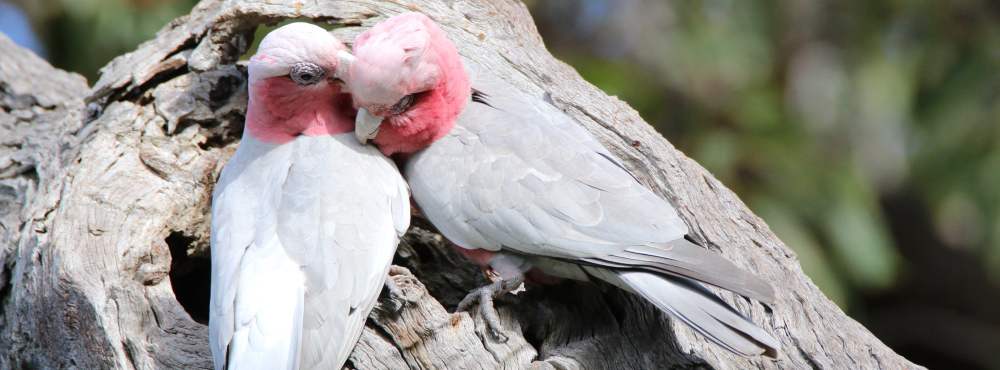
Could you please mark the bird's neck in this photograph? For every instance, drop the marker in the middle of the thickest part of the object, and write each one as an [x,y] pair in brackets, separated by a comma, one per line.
[279,110]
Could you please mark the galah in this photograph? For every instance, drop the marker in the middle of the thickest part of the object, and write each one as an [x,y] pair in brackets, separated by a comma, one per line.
[305,220]
[525,188]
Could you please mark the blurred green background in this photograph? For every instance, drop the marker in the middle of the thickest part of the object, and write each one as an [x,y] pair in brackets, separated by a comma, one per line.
[864,132]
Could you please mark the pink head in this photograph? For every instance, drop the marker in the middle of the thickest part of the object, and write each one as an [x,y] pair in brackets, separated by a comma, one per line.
[293,87]
[408,83]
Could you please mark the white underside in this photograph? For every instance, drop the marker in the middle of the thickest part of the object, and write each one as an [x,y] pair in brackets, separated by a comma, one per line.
[302,236]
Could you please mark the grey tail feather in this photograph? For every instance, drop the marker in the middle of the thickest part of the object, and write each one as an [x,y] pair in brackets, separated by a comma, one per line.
[700,309]
[683,258]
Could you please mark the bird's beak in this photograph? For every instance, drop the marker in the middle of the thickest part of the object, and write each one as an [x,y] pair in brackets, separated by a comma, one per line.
[344,62]
[366,126]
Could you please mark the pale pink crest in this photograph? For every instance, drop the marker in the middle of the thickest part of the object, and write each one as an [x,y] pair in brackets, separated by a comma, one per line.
[280,109]
[403,55]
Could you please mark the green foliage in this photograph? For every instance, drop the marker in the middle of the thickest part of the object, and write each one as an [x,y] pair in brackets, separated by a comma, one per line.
[818,113]
[83,35]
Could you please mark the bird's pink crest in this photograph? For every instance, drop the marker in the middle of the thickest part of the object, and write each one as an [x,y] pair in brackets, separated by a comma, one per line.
[281,107]
[403,55]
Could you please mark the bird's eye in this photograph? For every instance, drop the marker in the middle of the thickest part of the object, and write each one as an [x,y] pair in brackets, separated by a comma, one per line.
[305,73]
[403,104]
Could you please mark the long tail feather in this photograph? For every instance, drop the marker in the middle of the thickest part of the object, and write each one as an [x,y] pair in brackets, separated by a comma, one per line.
[697,307]
[683,258]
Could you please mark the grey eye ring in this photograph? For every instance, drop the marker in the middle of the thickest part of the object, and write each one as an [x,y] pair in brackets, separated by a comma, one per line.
[305,73]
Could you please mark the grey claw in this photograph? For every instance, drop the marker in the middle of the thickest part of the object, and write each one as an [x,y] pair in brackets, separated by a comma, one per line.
[484,296]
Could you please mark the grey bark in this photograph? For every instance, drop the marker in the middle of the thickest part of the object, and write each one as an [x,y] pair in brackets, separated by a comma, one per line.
[105,192]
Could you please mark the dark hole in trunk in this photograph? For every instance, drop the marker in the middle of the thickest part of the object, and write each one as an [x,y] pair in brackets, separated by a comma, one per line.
[190,277]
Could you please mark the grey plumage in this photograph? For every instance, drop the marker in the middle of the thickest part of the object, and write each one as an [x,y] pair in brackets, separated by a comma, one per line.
[518,175]
[683,258]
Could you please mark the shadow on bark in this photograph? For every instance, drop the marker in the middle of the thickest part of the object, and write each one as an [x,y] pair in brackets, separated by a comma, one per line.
[105,223]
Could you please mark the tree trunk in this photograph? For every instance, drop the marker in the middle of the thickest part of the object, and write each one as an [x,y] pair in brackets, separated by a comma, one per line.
[104,204]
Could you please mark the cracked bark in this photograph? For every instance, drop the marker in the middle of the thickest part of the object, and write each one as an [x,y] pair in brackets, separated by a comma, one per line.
[105,190]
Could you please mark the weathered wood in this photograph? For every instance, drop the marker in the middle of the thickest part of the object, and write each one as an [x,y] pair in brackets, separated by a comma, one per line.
[104,199]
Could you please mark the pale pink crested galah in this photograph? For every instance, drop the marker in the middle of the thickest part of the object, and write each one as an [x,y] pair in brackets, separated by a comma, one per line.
[305,220]
[524,187]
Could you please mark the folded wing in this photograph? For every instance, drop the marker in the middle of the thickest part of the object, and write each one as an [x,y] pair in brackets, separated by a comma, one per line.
[337,213]
[521,175]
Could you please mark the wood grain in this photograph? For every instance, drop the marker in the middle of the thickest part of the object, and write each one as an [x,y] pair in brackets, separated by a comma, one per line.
[104,206]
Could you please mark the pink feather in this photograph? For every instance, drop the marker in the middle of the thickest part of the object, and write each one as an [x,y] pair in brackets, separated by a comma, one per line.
[280,110]
[414,44]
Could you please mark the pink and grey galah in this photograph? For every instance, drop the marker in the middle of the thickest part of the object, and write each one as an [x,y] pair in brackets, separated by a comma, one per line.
[525,188]
[305,220]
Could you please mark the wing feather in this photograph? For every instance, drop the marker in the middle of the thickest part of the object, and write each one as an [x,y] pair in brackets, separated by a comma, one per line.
[357,207]
[683,258]
[240,327]
[303,234]
[533,169]
[539,184]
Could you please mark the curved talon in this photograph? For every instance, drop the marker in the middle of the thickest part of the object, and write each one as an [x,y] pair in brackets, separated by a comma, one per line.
[484,296]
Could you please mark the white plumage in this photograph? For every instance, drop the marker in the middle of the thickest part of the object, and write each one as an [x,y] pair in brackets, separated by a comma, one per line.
[303,234]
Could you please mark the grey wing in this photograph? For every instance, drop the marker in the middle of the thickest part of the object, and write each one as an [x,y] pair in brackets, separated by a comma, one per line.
[519,174]
[342,212]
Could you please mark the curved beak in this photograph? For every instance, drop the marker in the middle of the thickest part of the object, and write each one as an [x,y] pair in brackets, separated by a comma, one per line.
[366,126]
[344,62]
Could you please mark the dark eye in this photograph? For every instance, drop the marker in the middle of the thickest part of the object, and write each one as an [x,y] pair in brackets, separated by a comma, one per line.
[403,104]
[305,73]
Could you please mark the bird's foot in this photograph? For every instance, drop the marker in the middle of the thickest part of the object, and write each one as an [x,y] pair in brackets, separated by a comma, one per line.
[484,296]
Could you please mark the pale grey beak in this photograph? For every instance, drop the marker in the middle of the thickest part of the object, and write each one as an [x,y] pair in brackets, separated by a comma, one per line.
[366,126]
[344,62]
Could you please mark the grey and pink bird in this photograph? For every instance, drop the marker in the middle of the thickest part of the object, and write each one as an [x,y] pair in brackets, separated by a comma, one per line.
[523,186]
[305,220]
